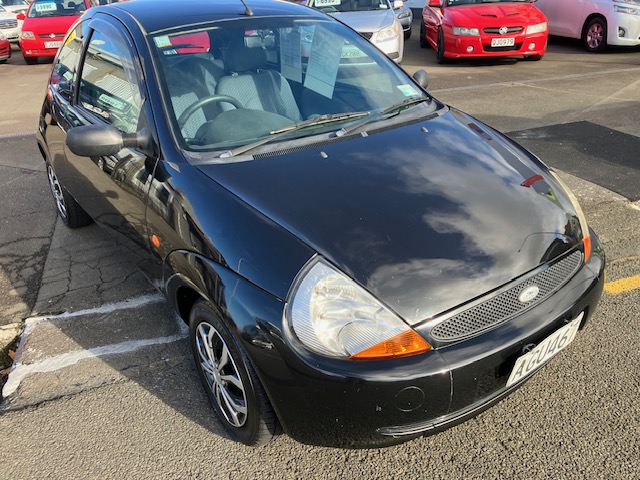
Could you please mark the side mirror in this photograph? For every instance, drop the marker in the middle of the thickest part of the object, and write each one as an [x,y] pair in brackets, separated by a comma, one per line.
[20,16]
[435,3]
[103,140]
[422,78]
[397,4]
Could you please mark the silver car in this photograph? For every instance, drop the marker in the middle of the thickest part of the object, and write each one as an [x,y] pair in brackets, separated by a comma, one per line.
[375,20]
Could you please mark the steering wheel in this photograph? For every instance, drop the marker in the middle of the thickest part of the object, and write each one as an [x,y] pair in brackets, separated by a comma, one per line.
[206,101]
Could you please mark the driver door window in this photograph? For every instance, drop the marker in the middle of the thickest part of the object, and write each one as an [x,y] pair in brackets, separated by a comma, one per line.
[108,86]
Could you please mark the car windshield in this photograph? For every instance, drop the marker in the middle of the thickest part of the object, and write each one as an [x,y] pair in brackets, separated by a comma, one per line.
[242,81]
[57,8]
[329,6]
[453,3]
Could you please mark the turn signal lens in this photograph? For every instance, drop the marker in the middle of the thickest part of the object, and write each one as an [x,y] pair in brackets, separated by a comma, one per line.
[402,345]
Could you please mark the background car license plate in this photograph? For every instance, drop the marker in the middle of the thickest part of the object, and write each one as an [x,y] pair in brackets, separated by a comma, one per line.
[57,44]
[546,349]
[503,42]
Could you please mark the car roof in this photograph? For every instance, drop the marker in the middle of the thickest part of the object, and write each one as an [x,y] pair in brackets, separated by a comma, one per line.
[158,15]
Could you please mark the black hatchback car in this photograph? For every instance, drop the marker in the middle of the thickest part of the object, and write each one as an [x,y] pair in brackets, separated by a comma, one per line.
[358,263]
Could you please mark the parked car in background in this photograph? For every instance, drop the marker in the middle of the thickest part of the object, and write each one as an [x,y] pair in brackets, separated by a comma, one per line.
[15,6]
[405,17]
[10,26]
[45,25]
[597,23]
[357,262]
[5,49]
[373,19]
[483,28]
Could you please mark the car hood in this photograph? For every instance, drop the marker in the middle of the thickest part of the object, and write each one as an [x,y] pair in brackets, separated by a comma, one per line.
[425,216]
[495,15]
[58,25]
[366,21]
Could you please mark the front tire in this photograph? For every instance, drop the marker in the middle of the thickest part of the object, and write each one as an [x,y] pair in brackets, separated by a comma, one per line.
[423,33]
[30,60]
[440,50]
[71,213]
[594,35]
[231,383]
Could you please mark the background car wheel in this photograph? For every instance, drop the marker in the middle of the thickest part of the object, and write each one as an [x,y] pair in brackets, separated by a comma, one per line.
[533,58]
[230,381]
[69,210]
[423,41]
[30,60]
[407,34]
[440,50]
[3,61]
[594,35]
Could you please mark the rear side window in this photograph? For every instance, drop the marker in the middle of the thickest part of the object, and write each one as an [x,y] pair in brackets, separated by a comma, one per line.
[109,88]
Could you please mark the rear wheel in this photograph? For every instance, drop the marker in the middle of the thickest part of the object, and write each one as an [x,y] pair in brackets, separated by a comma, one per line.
[440,50]
[30,60]
[423,40]
[231,383]
[594,35]
[71,213]
[407,34]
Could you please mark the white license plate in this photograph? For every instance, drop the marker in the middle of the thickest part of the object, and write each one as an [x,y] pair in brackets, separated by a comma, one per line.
[503,42]
[549,347]
[57,44]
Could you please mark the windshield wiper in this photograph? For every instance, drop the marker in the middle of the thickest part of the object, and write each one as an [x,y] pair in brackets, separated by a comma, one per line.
[372,118]
[275,134]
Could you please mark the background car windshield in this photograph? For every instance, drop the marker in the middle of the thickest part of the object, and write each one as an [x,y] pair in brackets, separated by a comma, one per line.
[58,8]
[350,5]
[14,2]
[242,80]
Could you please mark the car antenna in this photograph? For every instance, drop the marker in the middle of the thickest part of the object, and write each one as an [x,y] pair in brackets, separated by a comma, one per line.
[247,10]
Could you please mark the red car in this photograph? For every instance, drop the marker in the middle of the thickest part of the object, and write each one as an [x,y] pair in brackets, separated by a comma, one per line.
[45,25]
[5,49]
[483,28]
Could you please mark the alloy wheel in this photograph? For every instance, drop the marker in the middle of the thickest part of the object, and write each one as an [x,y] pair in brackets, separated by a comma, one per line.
[222,375]
[595,36]
[56,190]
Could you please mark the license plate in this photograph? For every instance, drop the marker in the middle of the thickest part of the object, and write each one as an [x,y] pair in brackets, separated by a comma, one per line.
[57,44]
[549,347]
[503,42]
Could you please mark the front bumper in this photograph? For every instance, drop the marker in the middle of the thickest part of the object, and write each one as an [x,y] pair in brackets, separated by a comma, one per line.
[37,48]
[369,404]
[471,47]
[624,30]
[5,51]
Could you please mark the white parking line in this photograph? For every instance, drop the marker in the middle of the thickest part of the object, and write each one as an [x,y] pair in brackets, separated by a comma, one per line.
[536,80]
[20,371]
[57,362]
[19,134]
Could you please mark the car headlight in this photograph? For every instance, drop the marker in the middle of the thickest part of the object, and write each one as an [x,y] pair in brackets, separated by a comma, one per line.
[537,28]
[389,32]
[27,36]
[466,31]
[404,14]
[332,315]
[627,10]
[586,236]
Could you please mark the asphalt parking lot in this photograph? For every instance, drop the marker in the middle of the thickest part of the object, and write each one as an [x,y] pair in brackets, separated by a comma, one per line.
[106,386]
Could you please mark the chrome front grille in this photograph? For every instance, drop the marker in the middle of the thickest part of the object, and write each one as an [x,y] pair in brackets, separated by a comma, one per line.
[504,306]
[6,24]
[496,31]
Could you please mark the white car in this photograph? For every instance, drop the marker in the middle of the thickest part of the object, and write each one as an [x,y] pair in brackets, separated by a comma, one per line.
[10,26]
[373,19]
[597,23]
[15,6]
